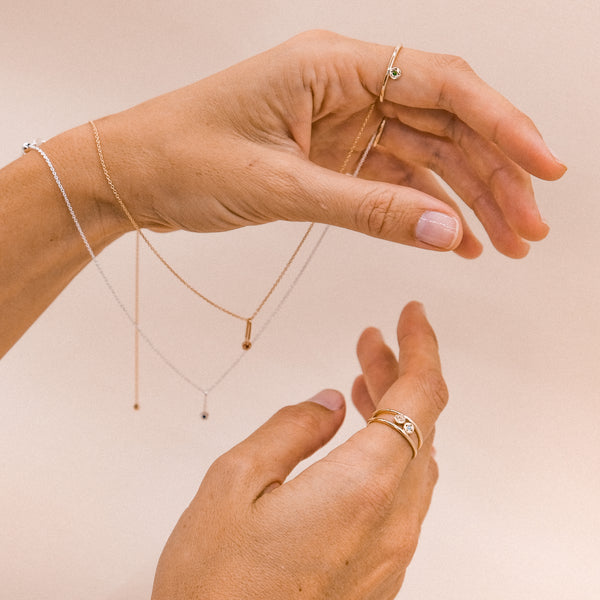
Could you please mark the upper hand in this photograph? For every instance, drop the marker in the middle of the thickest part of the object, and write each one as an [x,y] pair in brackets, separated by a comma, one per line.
[264,141]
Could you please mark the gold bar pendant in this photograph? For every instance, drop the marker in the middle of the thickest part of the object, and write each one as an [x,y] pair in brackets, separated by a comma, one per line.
[247,344]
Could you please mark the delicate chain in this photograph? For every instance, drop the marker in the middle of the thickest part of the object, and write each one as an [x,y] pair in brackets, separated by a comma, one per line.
[132,319]
[136,357]
[372,143]
[121,304]
[169,267]
[135,318]
[357,138]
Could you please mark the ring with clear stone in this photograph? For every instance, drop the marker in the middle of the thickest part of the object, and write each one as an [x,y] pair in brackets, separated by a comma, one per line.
[391,72]
[401,423]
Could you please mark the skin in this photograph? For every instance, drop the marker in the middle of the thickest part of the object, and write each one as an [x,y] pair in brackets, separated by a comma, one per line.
[260,142]
[346,527]
[263,141]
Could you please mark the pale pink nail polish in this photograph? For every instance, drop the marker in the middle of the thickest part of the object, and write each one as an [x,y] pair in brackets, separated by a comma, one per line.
[330,399]
[438,229]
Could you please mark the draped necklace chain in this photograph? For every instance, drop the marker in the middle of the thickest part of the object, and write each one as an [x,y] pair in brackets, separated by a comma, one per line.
[134,319]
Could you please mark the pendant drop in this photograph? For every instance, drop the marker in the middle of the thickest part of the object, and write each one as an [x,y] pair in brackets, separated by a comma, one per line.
[204,413]
[247,344]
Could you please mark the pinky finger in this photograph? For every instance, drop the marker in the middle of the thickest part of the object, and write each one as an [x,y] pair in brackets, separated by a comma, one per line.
[361,398]
[433,474]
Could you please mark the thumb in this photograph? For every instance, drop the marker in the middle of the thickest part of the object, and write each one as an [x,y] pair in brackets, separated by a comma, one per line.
[294,433]
[384,210]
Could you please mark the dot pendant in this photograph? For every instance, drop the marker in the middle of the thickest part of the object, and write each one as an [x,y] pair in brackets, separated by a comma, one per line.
[204,413]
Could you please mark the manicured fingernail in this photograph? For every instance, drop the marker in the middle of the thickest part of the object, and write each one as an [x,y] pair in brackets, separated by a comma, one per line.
[555,156]
[330,399]
[438,229]
[378,333]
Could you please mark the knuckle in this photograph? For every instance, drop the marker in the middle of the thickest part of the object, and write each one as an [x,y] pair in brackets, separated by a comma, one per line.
[409,539]
[376,215]
[377,497]
[434,471]
[312,36]
[376,494]
[481,201]
[498,173]
[399,543]
[450,61]
[454,129]
[416,339]
[449,65]
[430,384]
[507,172]
[299,417]
[232,466]
[437,156]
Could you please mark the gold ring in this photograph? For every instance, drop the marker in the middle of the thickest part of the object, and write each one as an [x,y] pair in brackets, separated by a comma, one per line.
[391,72]
[402,424]
[379,133]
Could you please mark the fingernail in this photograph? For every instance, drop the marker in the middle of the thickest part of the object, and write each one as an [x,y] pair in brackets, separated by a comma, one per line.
[555,156]
[330,399]
[438,229]
[378,333]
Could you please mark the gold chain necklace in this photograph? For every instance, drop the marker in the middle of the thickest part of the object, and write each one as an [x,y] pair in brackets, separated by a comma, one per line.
[247,343]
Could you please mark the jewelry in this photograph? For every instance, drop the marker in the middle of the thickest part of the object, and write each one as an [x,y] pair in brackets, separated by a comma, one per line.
[401,423]
[246,344]
[379,133]
[372,143]
[391,72]
[135,319]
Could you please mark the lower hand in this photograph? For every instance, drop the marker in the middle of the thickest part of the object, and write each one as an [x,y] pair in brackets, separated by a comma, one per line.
[346,527]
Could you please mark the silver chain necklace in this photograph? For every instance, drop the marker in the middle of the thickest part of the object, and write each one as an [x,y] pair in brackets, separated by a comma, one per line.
[204,391]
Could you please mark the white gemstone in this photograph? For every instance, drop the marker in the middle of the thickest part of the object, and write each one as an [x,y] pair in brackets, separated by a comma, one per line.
[400,419]
[409,427]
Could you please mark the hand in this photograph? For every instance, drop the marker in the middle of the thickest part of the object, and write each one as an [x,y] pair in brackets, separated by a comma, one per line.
[346,527]
[263,141]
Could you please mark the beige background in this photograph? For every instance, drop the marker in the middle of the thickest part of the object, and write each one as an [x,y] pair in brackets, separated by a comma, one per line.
[90,489]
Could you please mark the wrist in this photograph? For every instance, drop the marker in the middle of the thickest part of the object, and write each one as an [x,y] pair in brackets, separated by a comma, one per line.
[74,156]
[138,170]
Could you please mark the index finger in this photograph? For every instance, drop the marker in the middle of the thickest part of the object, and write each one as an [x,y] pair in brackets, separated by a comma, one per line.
[448,82]
[420,393]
